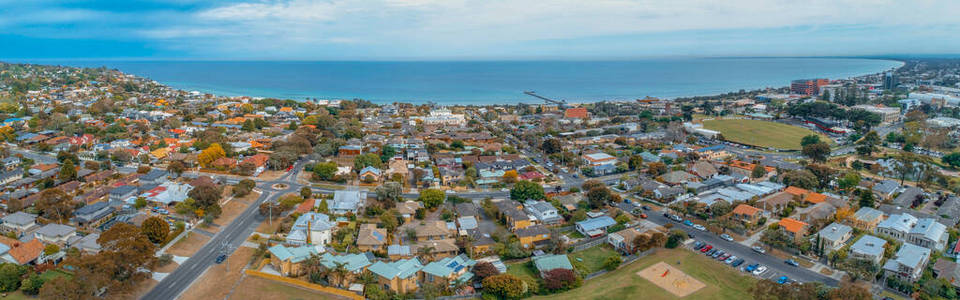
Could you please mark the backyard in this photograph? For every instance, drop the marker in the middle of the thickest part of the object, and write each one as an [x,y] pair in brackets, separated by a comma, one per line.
[722,282]
[592,259]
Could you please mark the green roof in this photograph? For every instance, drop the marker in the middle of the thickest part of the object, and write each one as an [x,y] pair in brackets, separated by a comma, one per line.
[403,268]
[352,262]
[546,263]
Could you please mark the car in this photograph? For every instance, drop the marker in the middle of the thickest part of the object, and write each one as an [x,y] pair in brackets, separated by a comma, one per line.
[712,251]
[726,237]
[643,216]
[783,279]
[645,207]
[666,215]
[699,227]
[751,268]
[698,245]
[791,262]
[723,257]
[759,249]
[706,248]
[687,222]
[760,270]
[676,218]
[730,259]
[737,262]
[717,254]
[221,258]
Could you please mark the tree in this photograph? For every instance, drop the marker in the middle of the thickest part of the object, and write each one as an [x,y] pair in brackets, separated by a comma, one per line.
[32,285]
[207,196]
[505,286]
[323,206]
[10,275]
[325,170]
[809,139]
[306,193]
[524,189]
[387,153]
[61,287]
[244,187]
[868,144]
[156,229]
[211,154]
[55,204]
[176,167]
[758,171]
[510,176]
[676,237]
[390,191]
[551,146]
[563,279]
[268,208]
[390,220]
[849,181]
[866,199]
[366,160]
[431,198]
[800,178]
[656,168]
[817,152]
[599,196]
[484,269]
[612,262]
[68,171]
[850,291]
[635,162]
[952,159]
[141,202]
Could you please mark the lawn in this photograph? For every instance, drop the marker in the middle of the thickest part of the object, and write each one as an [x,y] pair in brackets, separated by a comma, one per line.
[593,258]
[522,271]
[254,287]
[722,282]
[573,234]
[51,274]
[761,133]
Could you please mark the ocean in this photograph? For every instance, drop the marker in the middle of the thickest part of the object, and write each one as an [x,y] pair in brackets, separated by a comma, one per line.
[489,82]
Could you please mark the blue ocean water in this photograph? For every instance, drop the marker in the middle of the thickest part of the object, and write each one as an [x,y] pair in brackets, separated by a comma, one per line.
[489,82]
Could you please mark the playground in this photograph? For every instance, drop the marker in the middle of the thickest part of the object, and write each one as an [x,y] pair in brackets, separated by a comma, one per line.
[671,279]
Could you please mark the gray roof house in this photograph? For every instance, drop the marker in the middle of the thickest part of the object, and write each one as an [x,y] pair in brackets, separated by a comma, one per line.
[87,243]
[897,226]
[886,188]
[834,236]
[55,233]
[19,221]
[907,196]
[155,176]
[543,211]
[928,233]
[908,264]
[122,193]
[347,201]
[92,213]
[869,248]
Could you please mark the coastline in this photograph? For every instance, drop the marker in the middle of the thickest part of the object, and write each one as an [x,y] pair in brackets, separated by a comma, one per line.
[671,90]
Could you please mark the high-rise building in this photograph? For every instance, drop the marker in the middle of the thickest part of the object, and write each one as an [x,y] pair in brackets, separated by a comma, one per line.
[890,81]
[808,87]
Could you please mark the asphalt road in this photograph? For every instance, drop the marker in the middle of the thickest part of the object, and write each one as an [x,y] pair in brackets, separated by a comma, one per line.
[775,266]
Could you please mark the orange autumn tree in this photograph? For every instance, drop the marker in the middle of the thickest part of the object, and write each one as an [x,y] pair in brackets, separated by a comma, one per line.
[211,154]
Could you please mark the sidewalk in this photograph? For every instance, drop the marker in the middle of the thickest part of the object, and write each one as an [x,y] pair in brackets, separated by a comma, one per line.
[753,239]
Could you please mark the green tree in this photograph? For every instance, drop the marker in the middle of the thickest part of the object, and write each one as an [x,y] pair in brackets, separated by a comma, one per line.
[32,285]
[306,192]
[68,171]
[952,159]
[551,146]
[817,152]
[505,286]
[758,171]
[387,153]
[809,140]
[849,181]
[323,206]
[431,198]
[141,202]
[325,170]
[366,160]
[524,189]
[612,262]
[866,199]
[10,276]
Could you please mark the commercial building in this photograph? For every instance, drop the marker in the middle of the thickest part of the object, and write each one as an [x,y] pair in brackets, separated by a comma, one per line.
[887,114]
[808,87]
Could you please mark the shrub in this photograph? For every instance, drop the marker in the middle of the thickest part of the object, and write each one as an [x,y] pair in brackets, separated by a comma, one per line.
[612,262]
[560,280]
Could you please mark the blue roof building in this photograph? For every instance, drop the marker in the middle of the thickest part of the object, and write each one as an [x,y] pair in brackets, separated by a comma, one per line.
[595,226]
[452,269]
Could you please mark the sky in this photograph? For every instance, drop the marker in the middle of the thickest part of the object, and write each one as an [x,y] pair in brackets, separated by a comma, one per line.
[472,29]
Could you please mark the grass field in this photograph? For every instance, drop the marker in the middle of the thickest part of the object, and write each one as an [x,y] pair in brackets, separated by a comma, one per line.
[722,282]
[522,271]
[592,258]
[761,133]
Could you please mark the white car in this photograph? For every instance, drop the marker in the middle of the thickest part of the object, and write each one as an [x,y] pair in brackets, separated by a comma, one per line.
[730,260]
[699,227]
[759,270]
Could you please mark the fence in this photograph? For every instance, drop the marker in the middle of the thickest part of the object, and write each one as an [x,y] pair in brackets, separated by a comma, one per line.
[626,261]
[590,243]
[304,284]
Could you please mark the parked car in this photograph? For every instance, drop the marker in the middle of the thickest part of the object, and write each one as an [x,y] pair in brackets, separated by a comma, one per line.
[699,227]
[730,260]
[737,262]
[792,262]
[706,248]
[723,257]
[676,218]
[645,207]
[726,237]
[698,245]
[759,249]
[687,222]
[712,251]
[783,279]
[643,216]
[759,270]
[666,215]
[751,268]
[717,254]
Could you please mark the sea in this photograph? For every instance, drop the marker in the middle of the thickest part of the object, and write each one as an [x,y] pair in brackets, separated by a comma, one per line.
[489,82]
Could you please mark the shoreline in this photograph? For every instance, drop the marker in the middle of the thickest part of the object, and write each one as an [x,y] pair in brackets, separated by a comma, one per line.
[301,96]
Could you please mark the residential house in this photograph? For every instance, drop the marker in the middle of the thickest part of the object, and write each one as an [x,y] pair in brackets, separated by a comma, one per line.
[55,233]
[467,210]
[289,260]
[908,263]
[546,263]
[311,228]
[509,211]
[897,226]
[354,264]
[866,219]
[482,243]
[869,248]
[155,176]
[948,271]
[21,253]
[371,238]
[434,249]
[92,214]
[929,233]
[399,276]
[18,222]
[886,189]
[123,192]
[448,270]
[907,197]
[11,176]
[678,177]
[704,169]
[347,201]
[369,174]
[595,227]
[834,236]
[408,209]
[397,166]
[533,236]
[623,240]
[543,212]
[426,230]
[399,252]
[776,202]
[794,228]
[747,214]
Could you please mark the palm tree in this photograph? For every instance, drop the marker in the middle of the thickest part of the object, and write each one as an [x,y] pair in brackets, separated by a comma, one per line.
[339,273]
[426,252]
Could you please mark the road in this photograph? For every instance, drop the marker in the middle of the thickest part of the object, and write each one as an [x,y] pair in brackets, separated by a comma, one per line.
[776,266]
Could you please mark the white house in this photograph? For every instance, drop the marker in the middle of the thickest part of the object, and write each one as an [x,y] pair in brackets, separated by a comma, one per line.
[897,226]
[929,233]
[311,228]
[908,264]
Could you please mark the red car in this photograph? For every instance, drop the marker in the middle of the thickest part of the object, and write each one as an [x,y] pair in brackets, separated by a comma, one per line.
[705,249]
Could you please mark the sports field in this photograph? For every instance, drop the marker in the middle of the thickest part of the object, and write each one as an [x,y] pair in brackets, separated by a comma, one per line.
[761,133]
[719,281]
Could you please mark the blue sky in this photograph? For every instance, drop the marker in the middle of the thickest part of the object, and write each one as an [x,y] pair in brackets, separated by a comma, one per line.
[472,29]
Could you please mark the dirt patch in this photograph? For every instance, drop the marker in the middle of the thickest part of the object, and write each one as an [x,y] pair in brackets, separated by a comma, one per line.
[266,228]
[167,268]
[188,245]
[217,283]
[671,279]
[142,288]
[230,211]
[271,175]
[826,271]
[254,287]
